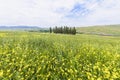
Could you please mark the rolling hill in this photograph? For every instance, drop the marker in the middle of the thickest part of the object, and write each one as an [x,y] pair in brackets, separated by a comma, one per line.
[18,27]
[105,30]
[24,28]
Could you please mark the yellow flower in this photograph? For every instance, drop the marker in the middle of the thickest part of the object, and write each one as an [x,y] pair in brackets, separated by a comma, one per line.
[99,78]
[70,70]
[1,73]
[8,71]
[115,75]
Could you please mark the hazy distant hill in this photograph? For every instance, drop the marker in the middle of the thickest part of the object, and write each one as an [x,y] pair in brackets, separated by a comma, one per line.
[100,30]
[18,27]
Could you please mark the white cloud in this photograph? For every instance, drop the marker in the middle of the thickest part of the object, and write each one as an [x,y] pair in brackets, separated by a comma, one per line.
[54,12]
[106,12]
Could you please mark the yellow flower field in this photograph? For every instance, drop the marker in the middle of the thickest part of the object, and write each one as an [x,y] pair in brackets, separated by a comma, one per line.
[44,56]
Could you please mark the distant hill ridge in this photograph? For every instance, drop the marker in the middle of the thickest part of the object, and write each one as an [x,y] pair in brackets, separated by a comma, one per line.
[18,27]
[100,30]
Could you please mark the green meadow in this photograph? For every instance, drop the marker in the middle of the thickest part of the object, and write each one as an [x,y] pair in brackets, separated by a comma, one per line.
[45,56]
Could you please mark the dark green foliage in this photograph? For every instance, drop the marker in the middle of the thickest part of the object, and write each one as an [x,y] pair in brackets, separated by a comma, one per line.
[64,30]
[50,30]
[73,31]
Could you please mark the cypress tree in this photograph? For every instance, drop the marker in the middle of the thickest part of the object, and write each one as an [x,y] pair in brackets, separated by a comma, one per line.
[74,31]
[64,30]
[50,30]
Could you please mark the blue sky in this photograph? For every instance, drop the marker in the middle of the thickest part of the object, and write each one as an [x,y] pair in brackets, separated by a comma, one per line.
[47,13]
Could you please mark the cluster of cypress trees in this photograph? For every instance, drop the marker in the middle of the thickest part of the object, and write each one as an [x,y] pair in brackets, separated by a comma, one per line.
[63,30]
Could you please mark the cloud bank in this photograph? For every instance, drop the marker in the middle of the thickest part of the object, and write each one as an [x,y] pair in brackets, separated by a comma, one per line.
[47,13]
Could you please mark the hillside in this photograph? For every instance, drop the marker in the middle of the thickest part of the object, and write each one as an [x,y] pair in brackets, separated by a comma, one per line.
[107,30]
[23,28]
[18,27]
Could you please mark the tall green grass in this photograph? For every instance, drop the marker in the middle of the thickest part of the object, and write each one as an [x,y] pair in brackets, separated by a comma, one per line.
[40,56]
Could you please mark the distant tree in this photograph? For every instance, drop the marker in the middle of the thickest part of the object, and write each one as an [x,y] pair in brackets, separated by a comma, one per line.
[74,31]
[61,30]
[55,29]
[64,30]
[50,30]
[70,30]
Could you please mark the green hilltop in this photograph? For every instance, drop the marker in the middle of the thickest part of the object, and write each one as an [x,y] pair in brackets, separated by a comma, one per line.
[105,30]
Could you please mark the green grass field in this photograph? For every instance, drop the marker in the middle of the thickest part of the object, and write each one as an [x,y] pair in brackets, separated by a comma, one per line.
[44,56]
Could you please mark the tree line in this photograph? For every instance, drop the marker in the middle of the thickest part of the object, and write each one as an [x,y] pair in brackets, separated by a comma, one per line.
[63,30]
